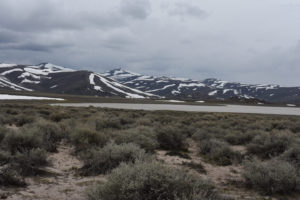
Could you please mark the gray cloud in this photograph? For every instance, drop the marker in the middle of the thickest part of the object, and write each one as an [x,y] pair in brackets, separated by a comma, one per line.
[182,10]
[139,9]
[194,39]
[32,47]
[7,37]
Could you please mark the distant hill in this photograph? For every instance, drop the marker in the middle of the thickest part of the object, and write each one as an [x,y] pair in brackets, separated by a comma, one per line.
[49,78]
[207,89]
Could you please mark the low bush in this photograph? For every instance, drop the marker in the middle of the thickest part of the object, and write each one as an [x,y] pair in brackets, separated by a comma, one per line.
[4,157]
[201,134]
[272,176]
[98,161]
[143,136]
[152,181]
[22,141]
[292,155]
[58,116]
[23,119]
[86,137]
[171,138]
[3,132]
[29,163]
[10,177]
[114,123]
[210,131]
[267,145]
[218,152]
[239,138]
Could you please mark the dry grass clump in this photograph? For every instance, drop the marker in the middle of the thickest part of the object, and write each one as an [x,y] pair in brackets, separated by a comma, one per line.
[21,154]
[292,155]
[218,152]
[239,138]
[58,116]
[152,180]
[29,163]
[171,138]
[10,177]
[270,144]
[272,177]
[22,140]
[84,137]
[102,160]
[144,136]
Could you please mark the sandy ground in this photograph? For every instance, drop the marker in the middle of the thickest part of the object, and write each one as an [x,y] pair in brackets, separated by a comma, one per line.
[226,178]
[64,184]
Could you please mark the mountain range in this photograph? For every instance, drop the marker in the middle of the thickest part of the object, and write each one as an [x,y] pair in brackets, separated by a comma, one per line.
[47,77]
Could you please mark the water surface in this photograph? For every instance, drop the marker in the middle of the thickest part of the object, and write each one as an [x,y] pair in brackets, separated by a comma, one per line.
[193,108]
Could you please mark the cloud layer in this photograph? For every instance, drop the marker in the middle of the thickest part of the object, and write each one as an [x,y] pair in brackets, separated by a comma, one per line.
[252,41]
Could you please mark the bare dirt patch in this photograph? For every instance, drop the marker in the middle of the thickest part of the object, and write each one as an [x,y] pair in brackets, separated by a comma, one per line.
[12,127]
[64,183]
[227,178]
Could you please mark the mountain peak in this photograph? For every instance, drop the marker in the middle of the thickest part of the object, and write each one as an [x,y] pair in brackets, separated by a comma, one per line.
[53,68]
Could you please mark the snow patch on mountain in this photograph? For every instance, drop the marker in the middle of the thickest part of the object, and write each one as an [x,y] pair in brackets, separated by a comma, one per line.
[11,71]
[5,65]
[181,85]
[6,83]
[165,87]
[213,93]
[92,82]
[30,81]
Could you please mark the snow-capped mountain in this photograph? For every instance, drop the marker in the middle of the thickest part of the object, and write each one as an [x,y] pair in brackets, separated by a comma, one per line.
[206,89]
[47,77]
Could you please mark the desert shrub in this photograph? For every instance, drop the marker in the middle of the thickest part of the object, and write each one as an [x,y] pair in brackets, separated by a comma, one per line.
[267,145]
[171,138]
[218,152]
[85,137]
[10,177]
[58,116]
[239,138]
[105,123]
[22,141]
[22,119]
[97,160]
[67,127]
[51,134]
[292,155]
[3,132]
[29,163]
[152,181]
[45,112]
[4,157]
[144,122]
[12,111]
[295,127]
[201,134]
[215,131]
[143,136]
[272,176]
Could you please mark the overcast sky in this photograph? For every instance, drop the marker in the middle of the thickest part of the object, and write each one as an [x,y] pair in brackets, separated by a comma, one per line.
[250,41]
